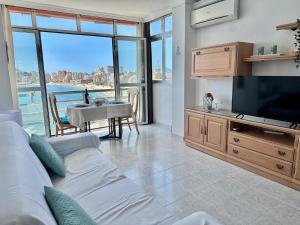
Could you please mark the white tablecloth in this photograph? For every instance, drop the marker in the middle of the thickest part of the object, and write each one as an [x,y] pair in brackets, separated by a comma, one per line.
[78,116]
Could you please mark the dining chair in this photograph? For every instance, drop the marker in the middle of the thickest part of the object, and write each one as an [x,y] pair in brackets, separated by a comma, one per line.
[61,123]
[133,99]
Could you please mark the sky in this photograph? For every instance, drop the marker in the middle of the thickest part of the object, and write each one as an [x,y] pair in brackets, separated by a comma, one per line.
[76,53]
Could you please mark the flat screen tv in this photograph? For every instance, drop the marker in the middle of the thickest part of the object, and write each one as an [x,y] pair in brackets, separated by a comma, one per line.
[273,97]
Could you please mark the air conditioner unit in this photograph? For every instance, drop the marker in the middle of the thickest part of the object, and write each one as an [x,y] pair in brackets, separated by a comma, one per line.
[209,12]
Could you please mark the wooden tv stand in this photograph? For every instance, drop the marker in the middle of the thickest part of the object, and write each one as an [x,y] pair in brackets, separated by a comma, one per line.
[269,150]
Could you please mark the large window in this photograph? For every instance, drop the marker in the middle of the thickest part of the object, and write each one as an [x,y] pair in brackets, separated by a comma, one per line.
[124,28]
[161,48]
[48,20]
[96,25]
[20,17]
[53,20]
[28,81]
[75,62]
[65,53]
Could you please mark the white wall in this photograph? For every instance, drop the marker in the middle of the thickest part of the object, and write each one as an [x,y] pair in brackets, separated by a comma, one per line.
[257,24]
[183,91]
[162,103]
[5,90]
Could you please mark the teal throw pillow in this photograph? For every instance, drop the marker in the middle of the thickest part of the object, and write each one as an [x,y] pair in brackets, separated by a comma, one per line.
[66,210]
[47,155]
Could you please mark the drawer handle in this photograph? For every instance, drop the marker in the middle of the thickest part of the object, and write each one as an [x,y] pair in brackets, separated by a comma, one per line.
[281,153]
[198,53]
[235,151]
[226,49]
[236,139]
[280,167]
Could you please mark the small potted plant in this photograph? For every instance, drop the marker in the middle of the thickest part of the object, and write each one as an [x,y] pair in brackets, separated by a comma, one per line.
[297,44]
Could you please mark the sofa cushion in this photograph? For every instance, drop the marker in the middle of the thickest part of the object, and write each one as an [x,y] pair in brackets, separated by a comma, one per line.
[48,156]
[86,169]
[107,196]
[22,178]
[65,209]
[124,203]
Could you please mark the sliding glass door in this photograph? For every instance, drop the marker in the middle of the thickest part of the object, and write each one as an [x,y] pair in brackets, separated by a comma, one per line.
[74,62]
[29,81]
[131,60]
[65,64]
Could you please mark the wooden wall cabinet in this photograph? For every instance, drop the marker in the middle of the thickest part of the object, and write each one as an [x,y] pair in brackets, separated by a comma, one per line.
[222,60]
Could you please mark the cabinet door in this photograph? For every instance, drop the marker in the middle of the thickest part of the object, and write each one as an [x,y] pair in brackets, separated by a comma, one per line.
[194,127]
[218,61]
[215,133]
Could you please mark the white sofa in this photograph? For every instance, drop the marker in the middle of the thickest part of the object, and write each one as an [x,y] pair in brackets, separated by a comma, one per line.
[91,179]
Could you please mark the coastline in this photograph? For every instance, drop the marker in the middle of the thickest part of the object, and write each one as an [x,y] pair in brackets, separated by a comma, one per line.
[81,86]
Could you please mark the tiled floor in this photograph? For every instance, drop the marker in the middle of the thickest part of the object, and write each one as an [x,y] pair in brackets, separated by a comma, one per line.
[186,181]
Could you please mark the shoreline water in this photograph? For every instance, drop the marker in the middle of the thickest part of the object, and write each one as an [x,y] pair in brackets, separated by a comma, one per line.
[81,86]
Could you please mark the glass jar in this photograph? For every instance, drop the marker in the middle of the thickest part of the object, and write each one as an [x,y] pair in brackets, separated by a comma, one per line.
[208,101]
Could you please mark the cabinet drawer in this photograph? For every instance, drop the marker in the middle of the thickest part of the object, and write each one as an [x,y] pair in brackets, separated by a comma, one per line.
[265,161]
[280,152]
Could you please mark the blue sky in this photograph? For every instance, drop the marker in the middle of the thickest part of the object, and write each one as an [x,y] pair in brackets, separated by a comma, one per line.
[75,52]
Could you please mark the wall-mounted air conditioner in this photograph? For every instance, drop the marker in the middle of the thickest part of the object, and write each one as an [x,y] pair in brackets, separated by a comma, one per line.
[209,12]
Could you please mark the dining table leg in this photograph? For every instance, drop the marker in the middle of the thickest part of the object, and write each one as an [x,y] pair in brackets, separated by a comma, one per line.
[114,127]
[109,126]
[112,131]
[86,127]
[120,127]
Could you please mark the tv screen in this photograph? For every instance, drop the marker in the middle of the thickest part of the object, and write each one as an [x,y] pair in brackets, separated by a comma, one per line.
[273,97]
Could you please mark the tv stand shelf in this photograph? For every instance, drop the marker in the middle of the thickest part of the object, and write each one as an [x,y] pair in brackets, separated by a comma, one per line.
[277,139]
[271,151]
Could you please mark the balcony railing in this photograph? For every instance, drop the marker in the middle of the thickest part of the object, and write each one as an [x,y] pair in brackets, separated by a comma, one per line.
[30,102]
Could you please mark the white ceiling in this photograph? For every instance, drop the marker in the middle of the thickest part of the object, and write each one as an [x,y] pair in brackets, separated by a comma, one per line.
[145,9]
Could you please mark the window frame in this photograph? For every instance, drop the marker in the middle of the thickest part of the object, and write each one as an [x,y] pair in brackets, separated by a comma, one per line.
[140,35]
[161,36]
[34,13]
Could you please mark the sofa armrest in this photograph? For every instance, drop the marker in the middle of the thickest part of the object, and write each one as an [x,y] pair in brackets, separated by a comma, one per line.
[198,218]
[67,144]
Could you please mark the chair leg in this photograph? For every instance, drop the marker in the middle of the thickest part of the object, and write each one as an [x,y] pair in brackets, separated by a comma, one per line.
[56,131]
[75,130]
[62,131]
[136,127]
[128,124]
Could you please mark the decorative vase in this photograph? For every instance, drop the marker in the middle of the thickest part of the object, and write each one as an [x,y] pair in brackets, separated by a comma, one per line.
[208,101]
